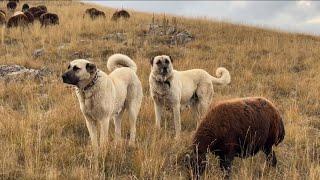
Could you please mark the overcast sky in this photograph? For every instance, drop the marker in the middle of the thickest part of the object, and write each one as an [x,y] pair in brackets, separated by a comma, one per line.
[296,16]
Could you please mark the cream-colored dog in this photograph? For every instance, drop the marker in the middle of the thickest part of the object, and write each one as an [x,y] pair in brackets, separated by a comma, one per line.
[104,97]
[176,90]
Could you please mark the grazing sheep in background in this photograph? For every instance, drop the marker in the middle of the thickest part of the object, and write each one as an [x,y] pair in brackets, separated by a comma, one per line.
[49,19]
[11,6]
[25,7]
[236,128]
[29,16]
[94,13]
[120,14]
[43,7]
[33,10]
[2,17]
[18,20]
[37,14]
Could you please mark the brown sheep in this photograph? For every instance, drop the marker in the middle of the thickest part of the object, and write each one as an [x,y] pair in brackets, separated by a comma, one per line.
[94,13]
[49,19]
[37,14]
[236,128]
[2,18]
[29,16]
[33,10]
[120,14]
[43,7]
[11,5]
[18,20]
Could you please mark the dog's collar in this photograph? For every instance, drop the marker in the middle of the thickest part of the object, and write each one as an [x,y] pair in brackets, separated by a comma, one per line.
[92,83]
[165,82]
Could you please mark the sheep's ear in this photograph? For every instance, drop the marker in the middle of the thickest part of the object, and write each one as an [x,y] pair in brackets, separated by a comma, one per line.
[91,68]
[151,61]
[171,59]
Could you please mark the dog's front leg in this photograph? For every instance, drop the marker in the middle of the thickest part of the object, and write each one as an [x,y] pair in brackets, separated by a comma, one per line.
[104,129]
[177,121]
[158,112]
[92,128]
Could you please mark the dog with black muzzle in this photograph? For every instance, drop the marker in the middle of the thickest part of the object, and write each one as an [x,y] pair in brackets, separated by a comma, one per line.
[104,97]
[177,90]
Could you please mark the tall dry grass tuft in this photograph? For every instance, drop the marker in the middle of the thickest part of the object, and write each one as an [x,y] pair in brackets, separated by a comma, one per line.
[43,133]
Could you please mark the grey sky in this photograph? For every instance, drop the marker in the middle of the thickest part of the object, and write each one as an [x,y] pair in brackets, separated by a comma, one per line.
[296,16]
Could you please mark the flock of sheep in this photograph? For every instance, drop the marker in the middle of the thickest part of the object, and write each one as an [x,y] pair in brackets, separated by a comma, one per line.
[94,13]
[13,17]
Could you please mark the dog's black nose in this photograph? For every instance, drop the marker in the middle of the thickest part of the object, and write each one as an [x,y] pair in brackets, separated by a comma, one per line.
[64,77]
[165,70]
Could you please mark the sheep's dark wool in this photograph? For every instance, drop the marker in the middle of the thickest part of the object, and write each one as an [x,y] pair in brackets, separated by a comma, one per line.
[43,7]
[33,10]
[49,19]
[18,20]
[94,13]
[11,5]
[237,128]
[29,16]
[120,14]
[37,14]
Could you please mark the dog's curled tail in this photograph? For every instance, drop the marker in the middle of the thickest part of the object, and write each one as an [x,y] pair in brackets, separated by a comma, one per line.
[223,76]
[120,60]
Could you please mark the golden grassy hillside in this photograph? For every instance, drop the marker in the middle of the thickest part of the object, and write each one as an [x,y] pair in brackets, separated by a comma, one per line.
[43,133]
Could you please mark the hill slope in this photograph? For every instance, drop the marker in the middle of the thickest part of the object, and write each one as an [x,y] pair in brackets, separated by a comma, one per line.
[43,133]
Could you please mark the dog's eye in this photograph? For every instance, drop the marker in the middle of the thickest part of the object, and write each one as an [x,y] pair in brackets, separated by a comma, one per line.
[69,67]
[75,68]
[158,63]
[166,61]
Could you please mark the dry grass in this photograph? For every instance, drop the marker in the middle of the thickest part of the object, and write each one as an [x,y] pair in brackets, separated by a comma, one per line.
[43,133]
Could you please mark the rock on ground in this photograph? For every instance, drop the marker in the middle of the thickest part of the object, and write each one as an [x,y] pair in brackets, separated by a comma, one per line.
[16,72]
[120,37]
[38,52]
[176,37]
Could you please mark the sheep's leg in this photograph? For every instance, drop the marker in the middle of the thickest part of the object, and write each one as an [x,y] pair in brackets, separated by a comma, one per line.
[225,165]
[270,156]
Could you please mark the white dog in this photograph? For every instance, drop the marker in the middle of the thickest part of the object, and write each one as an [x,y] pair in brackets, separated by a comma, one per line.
[103,97]
[175,90]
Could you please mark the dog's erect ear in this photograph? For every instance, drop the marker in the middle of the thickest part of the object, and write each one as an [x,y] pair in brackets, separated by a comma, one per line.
[171,59]
[151,61]
[91,68]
